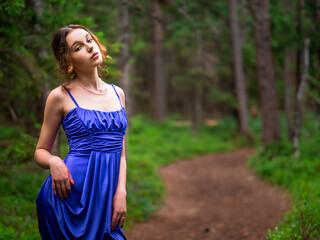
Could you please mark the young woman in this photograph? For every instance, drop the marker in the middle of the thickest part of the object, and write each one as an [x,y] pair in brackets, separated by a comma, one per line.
[85,195]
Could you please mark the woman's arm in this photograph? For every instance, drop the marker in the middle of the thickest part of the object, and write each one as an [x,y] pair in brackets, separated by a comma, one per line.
[53,115]
[123,171]
[119,199]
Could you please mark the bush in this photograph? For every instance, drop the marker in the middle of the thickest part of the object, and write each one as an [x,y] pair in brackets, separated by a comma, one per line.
[301,177]
[301,223]
[20,151]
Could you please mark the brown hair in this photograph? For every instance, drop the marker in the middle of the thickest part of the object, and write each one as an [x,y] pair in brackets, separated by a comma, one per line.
[61,51]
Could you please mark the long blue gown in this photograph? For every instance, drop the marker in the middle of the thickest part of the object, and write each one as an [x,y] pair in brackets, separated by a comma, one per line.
[95,145]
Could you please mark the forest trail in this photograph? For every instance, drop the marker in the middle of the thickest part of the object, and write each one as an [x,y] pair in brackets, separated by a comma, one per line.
[214,197]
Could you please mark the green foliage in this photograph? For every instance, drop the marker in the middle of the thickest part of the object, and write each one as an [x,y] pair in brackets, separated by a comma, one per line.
[223,98]
[17,146]
[302,223]
[300,176]
[25,60]
[20,151]
[19,185]
[199,37]
[9,132]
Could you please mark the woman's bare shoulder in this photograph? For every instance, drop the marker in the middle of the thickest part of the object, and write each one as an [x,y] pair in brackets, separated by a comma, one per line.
[56,98]
[119,90]
[57,94]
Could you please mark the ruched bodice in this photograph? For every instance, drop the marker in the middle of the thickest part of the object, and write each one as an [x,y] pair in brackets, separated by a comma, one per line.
[94,130]
[95,144]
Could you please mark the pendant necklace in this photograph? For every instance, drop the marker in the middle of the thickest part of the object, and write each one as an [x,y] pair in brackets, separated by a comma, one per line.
[89,90]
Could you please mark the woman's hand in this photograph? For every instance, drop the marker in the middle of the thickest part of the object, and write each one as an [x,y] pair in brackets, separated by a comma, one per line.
[119,208]
[61,177]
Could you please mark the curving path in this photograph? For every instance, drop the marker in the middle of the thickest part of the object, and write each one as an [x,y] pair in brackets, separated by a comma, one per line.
[214,197]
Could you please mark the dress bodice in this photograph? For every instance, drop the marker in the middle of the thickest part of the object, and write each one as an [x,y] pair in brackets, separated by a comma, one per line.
[95,130]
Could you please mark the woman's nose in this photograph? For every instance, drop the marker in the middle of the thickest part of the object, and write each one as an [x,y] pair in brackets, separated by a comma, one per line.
[89,47]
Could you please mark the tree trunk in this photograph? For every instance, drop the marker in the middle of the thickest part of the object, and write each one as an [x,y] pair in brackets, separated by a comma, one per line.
[238,68]
[197,103]
[287,94]
[243,25]
[300,97]
[13,114]
[266,74]
[124,55]
[287,5]
[37,5]
[318,9]
[150,71]
[160,98]
[197,107]
[300,6]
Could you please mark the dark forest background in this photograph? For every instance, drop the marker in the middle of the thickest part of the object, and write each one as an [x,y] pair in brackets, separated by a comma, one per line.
[200,60]
[254,63]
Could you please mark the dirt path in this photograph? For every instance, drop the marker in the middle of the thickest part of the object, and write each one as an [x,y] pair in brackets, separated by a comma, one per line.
[213,197]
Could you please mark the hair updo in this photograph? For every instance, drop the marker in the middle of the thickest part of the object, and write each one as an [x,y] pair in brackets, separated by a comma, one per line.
[61,51]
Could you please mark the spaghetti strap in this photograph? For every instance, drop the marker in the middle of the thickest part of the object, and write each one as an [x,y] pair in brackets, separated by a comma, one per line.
[70,95]
[117,94]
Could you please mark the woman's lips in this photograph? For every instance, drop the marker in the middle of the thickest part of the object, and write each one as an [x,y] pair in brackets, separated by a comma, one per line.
[95,55]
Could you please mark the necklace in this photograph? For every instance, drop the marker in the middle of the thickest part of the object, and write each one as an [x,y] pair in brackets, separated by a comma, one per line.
[89,90]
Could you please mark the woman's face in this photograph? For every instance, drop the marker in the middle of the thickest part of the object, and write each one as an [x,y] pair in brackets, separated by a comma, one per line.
[83,50]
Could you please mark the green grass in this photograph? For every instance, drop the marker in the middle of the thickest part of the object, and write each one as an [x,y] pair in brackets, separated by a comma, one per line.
[151,145]
[300,176]
[19,186]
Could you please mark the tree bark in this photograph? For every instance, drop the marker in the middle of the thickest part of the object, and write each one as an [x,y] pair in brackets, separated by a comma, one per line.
[13,114]
[160,92]
[300,97]
[287,94]
[238,75]
[266,73]
[197,107]
[318,9]
[287,5]
[37,5]
[124,55]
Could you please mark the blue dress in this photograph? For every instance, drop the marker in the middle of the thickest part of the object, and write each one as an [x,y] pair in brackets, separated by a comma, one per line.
[95,146]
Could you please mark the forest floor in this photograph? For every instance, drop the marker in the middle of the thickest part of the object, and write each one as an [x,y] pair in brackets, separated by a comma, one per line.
[214,197]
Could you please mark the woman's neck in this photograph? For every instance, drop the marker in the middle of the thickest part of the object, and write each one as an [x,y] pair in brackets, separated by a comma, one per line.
[89,79]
